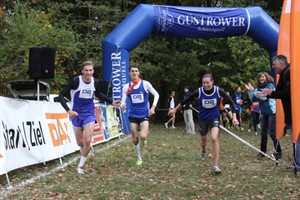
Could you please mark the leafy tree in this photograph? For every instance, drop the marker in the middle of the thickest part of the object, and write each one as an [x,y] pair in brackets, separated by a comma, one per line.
[27,28]
[76,27]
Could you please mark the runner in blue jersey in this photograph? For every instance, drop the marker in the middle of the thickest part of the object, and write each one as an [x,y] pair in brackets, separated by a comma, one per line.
[82,90]
[209,97]
[137,91]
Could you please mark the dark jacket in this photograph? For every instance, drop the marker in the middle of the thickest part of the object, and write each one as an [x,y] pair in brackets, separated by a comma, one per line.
[188,103]
[283,92]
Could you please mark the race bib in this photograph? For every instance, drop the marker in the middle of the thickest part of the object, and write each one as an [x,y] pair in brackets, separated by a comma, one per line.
[86,94]
[137,98]
[209,103]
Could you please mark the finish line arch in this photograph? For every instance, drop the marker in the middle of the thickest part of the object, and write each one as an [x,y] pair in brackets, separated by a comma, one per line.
[181,21]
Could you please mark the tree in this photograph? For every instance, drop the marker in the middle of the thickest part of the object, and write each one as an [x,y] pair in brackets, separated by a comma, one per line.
[76,27]
[27,28]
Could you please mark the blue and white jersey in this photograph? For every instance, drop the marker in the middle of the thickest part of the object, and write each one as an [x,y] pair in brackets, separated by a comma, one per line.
[83,97]
[237,98]
[139,102]
[208,104]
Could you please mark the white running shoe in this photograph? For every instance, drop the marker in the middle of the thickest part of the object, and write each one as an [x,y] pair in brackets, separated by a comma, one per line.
[216,170]
[166,125]
[80,170]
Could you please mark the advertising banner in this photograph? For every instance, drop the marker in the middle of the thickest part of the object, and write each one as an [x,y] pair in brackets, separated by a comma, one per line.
[38,131]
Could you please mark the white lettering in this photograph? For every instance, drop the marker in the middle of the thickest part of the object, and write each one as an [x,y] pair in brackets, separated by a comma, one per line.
[116,74]
[210,21]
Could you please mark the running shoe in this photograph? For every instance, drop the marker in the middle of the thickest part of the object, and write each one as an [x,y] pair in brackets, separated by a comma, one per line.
[80,170]
[139,162]
[216,170]
[172,127]
[202,155]
[166,125]
[277,155]
[144,142]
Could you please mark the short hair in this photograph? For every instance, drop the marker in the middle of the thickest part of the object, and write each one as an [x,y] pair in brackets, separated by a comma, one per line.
[208,76]
[85,63]
[282,59]
[132,66]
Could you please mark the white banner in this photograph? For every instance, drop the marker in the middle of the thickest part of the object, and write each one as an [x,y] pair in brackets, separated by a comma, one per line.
[38,131]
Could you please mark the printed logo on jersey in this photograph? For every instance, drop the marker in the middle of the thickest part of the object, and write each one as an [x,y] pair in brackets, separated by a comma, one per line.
[209,103]
[137,98]
[86,94]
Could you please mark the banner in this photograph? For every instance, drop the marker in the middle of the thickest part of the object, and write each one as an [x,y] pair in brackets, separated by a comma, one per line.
[38,131]
[295,68]
[283,49]
[180,21]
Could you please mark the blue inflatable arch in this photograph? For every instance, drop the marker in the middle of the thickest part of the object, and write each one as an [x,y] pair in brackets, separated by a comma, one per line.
[181,21]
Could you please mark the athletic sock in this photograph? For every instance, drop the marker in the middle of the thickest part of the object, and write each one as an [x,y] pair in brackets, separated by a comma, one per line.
[137,151]
[82,161]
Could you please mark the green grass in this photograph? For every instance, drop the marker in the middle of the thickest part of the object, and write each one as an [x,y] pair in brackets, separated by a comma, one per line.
[171,169]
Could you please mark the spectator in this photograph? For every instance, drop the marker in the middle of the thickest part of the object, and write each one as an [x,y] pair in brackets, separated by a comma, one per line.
[171,103]
[268,109]
[188,113]
[238,100]
[254,113]
[283,92]
[226,113]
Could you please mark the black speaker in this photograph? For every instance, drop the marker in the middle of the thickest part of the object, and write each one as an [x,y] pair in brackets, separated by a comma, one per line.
[41,62]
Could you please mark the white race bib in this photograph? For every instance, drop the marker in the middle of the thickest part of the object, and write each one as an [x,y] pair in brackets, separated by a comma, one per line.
[86,94]
[137,98]
[209,103]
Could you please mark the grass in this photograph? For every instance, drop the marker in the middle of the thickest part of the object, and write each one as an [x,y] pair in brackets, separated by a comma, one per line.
[171,169]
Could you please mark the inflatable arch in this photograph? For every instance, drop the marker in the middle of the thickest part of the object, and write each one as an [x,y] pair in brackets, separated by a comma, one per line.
[181,21]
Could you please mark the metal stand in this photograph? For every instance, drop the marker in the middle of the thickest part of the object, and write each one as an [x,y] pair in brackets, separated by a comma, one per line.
[38,89]
[8,182]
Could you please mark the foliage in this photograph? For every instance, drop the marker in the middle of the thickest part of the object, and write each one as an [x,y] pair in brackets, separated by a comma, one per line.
[76,28]
[27,28]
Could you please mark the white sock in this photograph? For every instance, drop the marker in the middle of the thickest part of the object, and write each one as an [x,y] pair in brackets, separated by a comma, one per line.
[137,151]
[82,161]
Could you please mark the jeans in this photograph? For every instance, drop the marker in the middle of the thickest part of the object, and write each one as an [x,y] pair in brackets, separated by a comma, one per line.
[268,126]
[297,149]
[189,121]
